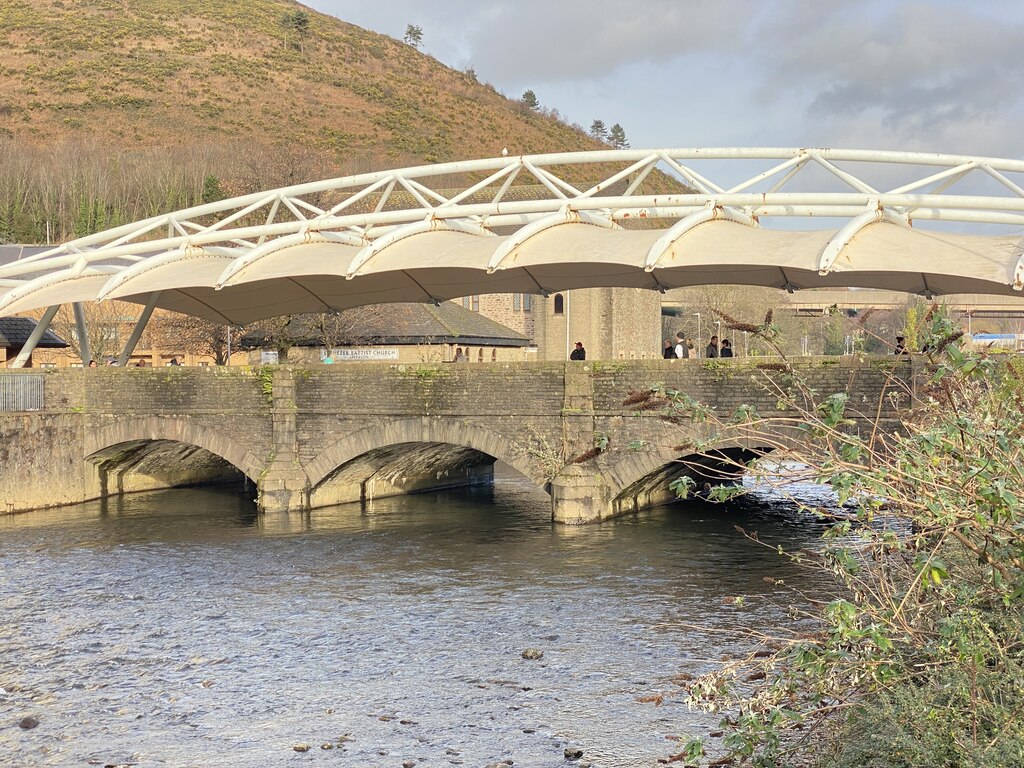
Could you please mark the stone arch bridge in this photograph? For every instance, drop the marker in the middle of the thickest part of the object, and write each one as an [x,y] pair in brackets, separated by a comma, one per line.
[315,437]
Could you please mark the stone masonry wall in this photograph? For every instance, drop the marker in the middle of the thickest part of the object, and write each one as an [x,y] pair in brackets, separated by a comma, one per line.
[290,429]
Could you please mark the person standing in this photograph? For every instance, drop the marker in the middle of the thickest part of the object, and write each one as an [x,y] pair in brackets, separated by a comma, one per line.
[712,350]
[579,353]
[682,348]
[726,350]
[669,352]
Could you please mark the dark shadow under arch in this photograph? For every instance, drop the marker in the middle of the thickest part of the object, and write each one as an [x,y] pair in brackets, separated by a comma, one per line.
[720,466]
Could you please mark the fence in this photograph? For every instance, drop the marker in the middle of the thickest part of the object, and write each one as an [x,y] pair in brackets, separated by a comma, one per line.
[23,392]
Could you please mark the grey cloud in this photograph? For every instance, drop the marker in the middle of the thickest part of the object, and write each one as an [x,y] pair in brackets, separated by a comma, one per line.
[575,40]
[918,66]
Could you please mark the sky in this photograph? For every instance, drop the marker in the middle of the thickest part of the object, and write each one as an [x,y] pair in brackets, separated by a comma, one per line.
[914,75]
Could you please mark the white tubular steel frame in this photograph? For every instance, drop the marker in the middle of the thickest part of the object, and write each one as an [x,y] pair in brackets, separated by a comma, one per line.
[374,210]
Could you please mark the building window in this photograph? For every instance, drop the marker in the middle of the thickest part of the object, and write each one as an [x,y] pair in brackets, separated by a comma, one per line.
[521,302]
[480,355]
[559,304]
[476,302]
[465,302]
[494,355]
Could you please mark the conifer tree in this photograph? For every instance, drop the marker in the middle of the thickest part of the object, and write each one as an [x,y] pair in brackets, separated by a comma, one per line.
[413,36]
[617,137]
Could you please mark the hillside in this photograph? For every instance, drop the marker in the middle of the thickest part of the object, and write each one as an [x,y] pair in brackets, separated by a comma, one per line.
[167,72]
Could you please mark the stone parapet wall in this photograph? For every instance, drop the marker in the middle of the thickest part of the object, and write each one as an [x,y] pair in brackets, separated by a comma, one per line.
[392,427]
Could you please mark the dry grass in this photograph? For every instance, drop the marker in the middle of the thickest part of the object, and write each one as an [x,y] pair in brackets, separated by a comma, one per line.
[166,71]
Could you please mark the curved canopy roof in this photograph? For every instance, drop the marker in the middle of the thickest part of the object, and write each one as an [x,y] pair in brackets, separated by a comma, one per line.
[643,219]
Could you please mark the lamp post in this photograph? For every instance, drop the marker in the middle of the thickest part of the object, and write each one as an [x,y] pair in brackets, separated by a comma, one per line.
[697,350]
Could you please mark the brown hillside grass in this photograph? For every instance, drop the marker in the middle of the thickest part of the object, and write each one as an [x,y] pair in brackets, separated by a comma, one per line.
[115,110]
[164,72]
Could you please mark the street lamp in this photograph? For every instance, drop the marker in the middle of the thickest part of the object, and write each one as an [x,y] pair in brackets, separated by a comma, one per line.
[697,350]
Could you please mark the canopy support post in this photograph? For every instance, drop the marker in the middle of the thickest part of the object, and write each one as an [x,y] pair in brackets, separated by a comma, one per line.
[140,326]
[34,338]
[83,332]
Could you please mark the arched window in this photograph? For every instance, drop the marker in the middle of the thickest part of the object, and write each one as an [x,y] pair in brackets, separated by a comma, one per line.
[480,355]
[494,355]
[559,304]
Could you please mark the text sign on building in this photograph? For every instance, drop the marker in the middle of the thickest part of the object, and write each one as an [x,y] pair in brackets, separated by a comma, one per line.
[340,355]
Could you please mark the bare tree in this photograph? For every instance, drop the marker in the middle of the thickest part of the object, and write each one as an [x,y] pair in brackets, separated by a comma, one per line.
[192,335]
[108,326]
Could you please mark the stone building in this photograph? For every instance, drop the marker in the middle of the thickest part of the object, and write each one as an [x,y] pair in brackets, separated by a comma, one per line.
[612,323]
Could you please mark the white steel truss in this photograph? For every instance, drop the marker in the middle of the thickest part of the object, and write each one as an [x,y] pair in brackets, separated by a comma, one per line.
[495,225]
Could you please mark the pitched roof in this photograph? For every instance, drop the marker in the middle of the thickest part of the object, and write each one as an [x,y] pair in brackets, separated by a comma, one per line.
[408,323]
[12,253]
[14,332]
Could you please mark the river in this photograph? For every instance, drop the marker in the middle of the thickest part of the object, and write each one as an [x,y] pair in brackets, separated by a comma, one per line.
[181,629]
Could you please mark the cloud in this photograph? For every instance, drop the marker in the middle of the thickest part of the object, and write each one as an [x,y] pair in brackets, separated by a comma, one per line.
[916,67]
[929,74]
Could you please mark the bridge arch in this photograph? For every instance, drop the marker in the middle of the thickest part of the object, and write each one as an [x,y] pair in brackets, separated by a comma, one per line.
[129,439]
[451,444]
[641,479]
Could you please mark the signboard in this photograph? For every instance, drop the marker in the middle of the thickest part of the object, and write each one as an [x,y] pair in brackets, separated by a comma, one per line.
[351,355]
[268,357]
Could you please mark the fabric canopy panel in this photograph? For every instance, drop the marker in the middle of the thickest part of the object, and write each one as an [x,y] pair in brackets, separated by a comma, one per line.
[59,288]
[643,218]
[440,265]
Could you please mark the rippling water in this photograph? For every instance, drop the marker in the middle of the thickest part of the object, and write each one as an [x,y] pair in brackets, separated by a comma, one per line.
[180,629]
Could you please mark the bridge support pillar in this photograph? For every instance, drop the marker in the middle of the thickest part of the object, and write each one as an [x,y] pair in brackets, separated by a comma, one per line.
[283,487]
[580,496]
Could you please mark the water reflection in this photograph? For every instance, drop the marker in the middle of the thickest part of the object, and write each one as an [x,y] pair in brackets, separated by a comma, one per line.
[180,628]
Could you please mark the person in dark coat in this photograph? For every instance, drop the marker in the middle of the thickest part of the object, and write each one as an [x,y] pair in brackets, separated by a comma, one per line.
[579,353]
[712,350]
[726,350]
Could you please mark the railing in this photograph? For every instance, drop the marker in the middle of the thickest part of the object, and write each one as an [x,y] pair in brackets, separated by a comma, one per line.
[21,393]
